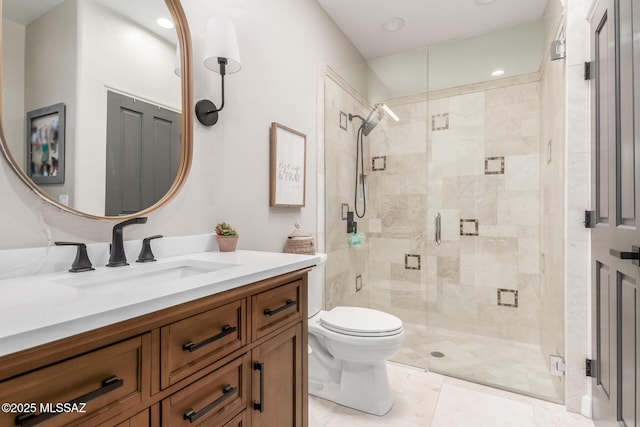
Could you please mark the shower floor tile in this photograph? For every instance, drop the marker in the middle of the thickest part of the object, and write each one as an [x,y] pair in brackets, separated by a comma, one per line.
[427,399]
[514,366]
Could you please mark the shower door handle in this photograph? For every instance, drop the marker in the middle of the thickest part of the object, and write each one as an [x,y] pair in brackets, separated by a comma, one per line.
[438,229]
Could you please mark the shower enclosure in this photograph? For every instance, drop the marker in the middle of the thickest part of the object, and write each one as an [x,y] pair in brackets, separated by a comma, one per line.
[464,196]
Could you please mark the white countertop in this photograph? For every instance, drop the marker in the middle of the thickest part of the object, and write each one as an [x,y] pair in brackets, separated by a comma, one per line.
[38,309]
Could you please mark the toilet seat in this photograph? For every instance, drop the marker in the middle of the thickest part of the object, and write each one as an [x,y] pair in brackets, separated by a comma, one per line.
[361,322]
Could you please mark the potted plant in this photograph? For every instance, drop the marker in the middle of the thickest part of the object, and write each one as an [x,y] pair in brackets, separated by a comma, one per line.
[227,237]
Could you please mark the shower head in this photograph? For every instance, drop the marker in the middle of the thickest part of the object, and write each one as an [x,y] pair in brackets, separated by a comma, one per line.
[371,122]
[374,117]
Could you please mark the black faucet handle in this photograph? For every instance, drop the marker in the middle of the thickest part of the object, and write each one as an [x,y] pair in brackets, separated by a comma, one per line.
[145,252]
[81,262]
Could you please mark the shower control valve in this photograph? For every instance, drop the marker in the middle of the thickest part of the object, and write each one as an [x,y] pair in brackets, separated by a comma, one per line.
[352,226]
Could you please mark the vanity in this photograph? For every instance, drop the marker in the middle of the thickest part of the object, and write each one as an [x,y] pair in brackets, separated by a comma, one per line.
[219,339]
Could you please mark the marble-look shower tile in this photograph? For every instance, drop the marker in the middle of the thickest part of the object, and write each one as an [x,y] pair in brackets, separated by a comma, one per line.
[578,167]
[500,144]
[497,262]
[498,230]
[522,172]
[575,224]
[467,110]
[518,207]
[578,90]
[512,94]
[577,33]
[438,106]
[449,268]
[528,256]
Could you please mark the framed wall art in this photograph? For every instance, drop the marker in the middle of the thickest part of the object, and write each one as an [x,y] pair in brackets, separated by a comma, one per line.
[45,144]
[287,171]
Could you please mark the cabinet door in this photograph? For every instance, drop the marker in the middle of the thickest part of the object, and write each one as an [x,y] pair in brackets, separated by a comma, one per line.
[276,386]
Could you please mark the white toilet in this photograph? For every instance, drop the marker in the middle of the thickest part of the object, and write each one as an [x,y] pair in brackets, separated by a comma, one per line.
[348,348]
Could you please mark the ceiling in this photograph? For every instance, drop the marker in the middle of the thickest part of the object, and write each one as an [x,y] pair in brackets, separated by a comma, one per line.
[427,22]
[142,12]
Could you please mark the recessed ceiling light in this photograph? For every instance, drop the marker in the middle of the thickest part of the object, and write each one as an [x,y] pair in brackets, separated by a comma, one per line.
[393,24]
[165,23]
[483,2]
[497,73]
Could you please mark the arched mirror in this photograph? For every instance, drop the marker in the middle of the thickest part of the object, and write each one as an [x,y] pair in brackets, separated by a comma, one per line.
[95,97]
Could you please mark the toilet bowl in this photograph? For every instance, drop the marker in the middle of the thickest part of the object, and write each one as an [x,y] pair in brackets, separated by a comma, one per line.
[348,348]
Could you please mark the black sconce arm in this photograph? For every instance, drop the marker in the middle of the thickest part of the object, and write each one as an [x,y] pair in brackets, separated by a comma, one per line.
[206,111]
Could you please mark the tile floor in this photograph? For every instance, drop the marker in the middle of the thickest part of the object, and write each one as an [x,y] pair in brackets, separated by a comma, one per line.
[426,399]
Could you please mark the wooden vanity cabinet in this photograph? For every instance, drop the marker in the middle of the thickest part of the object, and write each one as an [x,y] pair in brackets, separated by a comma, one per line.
[233,359]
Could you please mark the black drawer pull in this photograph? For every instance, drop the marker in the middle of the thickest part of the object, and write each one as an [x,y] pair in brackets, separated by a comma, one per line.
[259,405]
[226,330]
[290,303]
[193,416]
[29,419]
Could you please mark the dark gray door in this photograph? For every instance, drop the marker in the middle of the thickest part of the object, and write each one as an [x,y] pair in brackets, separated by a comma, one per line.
[615,196]
[143,153]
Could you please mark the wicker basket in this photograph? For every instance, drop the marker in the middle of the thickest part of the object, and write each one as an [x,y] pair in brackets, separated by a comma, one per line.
[300,246]
[300,242]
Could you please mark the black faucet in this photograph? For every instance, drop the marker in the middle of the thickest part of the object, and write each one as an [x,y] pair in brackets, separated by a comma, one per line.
[82,262]
[117,257]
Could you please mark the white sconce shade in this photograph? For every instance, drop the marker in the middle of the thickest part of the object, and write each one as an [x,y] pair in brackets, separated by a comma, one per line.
[221,42]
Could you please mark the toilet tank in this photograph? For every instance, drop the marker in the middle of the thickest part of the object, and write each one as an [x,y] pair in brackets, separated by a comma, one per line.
[316,286]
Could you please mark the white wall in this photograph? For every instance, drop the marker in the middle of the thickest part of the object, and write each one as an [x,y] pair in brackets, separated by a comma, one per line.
[13,39]
[116,54]
[281,42]
[50,76]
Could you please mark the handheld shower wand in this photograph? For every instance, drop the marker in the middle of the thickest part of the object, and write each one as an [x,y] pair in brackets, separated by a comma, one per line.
[368,124]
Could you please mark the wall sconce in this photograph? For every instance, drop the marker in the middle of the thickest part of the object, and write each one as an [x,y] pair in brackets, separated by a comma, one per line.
[222,56]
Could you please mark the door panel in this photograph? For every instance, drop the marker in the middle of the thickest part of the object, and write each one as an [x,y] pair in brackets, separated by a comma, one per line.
[603,325]
[143,153]
[614,240]
[627,324]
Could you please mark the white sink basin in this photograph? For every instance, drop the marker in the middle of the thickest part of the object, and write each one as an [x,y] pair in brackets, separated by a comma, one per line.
[137,276]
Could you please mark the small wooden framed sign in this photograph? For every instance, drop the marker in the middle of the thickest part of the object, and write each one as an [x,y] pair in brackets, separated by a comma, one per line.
[287,171]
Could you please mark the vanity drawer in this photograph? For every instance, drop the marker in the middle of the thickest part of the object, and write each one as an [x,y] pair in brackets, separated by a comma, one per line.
[274,308]
[197,341]
[83,390]
[240,420]
[211,400]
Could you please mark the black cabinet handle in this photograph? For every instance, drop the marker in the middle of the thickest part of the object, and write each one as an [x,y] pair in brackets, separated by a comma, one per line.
[289,303]
[29,419]
[259,405]
[226,330]
[193,416]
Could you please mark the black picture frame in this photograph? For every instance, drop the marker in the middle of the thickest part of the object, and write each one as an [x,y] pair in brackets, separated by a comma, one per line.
[45,144]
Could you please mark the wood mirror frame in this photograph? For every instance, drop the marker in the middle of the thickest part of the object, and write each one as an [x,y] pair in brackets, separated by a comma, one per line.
[184,40]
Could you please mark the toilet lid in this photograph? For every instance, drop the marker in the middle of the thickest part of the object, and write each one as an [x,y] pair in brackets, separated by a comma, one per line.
[361,322]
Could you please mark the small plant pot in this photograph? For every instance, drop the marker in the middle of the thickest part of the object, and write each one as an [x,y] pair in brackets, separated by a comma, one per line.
[227,243]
